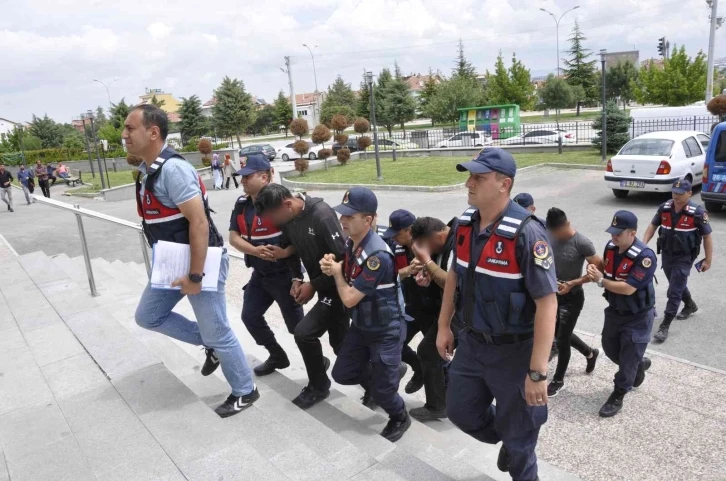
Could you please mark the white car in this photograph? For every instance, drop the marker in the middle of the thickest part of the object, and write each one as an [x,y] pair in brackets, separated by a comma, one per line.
[287,153]
[540,136]
[654,161]
[466,139]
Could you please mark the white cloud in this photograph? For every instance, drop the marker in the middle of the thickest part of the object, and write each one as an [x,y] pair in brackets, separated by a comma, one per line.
[49,62]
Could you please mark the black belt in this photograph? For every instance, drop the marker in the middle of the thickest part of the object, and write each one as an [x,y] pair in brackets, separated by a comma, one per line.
[501,339]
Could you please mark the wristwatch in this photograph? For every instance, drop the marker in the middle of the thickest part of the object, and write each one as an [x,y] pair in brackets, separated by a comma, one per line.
[537,376]
[599,283]
[196,278]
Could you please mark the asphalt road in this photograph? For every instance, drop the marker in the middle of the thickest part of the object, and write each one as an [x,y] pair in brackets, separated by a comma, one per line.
[580,193]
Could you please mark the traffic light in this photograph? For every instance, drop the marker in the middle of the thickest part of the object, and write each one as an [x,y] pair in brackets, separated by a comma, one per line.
[662,46]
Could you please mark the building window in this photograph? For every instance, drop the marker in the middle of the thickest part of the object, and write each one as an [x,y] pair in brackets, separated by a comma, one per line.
[302,113]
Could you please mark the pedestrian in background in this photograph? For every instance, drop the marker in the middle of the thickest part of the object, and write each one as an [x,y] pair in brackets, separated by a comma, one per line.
[6,190]
[229,171]
[25,176]
[217,172]
[42,174]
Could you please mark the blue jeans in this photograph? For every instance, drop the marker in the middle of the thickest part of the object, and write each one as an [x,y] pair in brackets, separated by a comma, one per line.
[211,329]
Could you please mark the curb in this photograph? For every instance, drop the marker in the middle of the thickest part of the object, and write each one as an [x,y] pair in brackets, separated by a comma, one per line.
[5,241]
[292,184]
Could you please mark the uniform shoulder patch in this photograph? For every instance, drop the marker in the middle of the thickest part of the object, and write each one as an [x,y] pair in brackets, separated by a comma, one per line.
[242,199]
[705,217]
[647,262]
[373,263]
[541,249]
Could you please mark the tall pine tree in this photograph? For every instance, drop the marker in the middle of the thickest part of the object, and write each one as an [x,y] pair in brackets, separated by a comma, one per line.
[498,84]
[463,67]
[234,110]
[384,116]
[192,122]
[520,82]
[363,102]
[399,105]
[427,94]
[283,111]
[579,69]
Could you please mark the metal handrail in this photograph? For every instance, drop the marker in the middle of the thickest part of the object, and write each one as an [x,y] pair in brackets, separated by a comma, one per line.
[81,212]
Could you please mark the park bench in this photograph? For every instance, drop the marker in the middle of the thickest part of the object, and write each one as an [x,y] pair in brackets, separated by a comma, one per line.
[74,178]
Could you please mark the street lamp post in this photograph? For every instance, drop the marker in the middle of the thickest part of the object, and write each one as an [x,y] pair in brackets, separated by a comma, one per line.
[557,28]
[95,143]
[603,55]
[107,92]
[369,80]
[315,76]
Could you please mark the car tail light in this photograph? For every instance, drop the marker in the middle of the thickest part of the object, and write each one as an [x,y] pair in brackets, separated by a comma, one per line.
[664,168]
[568,136]
[704,179]
[609,168]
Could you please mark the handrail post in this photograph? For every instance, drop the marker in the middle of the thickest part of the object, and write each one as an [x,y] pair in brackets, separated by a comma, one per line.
[145,252]
[86,255]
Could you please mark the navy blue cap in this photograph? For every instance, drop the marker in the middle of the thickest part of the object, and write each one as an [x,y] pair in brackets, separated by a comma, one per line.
[623,219]
[524,199]
[682,186]
[358,200]
[253,163]
[490,160]
[397,221]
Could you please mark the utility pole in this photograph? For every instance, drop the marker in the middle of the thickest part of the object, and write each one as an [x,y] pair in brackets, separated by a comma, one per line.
[604,133]
[369,79]
[292,91]
[711,44]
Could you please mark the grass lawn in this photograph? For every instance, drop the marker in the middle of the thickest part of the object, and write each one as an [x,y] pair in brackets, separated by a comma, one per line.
[427,170]
[116,179]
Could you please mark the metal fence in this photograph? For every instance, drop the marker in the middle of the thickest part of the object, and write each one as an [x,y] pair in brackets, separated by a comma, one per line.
[578,132]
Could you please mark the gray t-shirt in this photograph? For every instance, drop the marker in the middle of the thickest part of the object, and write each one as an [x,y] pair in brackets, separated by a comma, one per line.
[570,256]
[178,182]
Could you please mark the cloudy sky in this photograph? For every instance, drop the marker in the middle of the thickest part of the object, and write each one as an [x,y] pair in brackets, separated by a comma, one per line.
[52,51]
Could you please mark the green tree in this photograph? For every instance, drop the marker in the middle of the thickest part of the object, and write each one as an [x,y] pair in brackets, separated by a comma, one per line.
[398,103]
[119,112]
[157,102]
[681,81]
[579,69]
[329,111]
[618,128]
[19,140]
[427,94]
[384,117]
[110,134]
[455,93]
[498,85]
[47,130]
[363,102]
[556,93]
[192,123]
[74,140]
[620,80]
[265,122]
[463,67]
[339,93]
[521,87]
[234,110]
[283,111]
[100,118]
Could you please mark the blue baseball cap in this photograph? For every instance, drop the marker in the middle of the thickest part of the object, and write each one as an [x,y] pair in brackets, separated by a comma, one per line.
[397,221]
[524,199]
[253,163]
[358,200]
[623,219]
[682,186]
[490,160]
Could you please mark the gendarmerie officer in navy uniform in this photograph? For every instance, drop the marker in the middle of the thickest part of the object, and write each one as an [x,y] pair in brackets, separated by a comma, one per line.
[629,266]
[367,283]
[504,286]
[264,246]
[683,224]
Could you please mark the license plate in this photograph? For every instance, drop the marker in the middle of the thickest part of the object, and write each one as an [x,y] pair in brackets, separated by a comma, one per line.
[638,184]
[718,178]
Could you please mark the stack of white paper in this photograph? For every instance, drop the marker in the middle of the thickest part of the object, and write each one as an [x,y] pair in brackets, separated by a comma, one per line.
[171,261]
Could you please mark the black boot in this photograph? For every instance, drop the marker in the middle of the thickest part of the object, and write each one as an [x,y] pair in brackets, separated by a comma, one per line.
[614,403]
[396,427]
[277,360]
[640,376]
[503,459]
[662,333]
[415,383]
[689,308]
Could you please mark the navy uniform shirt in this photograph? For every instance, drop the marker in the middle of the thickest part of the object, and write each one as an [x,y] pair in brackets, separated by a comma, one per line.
[540,278]
[378,269]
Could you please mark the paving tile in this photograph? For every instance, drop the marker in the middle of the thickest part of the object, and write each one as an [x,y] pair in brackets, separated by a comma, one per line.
[73,375]
[51,344]
[67,297]
[239,462]
[60,461]
[13,273]
[27,430]
[22,388]
[40,315]
[112,347]
[40,268]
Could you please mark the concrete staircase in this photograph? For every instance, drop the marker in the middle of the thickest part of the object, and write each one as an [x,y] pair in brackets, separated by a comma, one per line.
[87,394]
